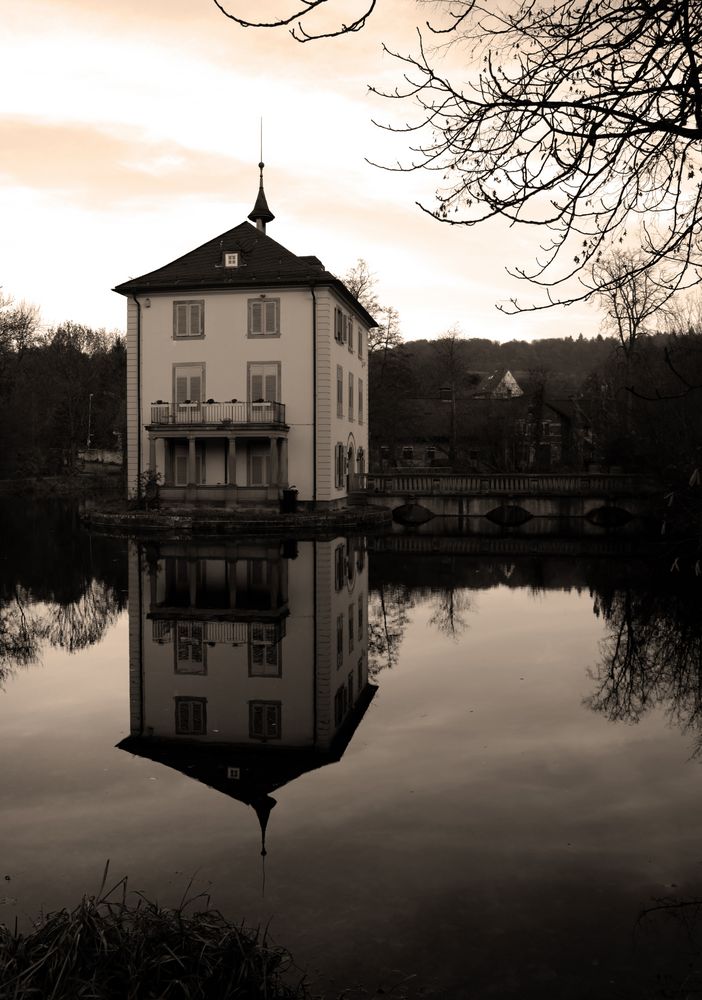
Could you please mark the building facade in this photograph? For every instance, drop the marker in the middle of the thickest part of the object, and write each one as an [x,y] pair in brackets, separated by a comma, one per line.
[246,375]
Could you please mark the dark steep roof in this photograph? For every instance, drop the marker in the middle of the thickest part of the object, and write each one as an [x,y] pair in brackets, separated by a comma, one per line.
[263,264]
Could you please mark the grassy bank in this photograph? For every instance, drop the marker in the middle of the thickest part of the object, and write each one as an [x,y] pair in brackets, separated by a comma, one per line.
[119,946]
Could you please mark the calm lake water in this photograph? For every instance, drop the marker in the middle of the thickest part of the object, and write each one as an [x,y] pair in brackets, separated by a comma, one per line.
[473,771]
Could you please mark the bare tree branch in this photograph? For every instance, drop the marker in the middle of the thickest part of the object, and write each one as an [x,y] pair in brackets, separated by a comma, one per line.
[303,9]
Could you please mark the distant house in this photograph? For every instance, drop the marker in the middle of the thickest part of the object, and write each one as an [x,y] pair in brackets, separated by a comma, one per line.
[497,385]
[503,421]
[247,374]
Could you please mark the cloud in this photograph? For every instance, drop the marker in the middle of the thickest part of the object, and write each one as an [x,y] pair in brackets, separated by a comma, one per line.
[93,168]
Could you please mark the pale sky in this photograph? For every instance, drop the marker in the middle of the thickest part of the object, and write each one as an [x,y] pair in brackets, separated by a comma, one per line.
[130,135]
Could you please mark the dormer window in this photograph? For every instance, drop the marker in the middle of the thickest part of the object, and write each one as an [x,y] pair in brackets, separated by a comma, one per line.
[231,259]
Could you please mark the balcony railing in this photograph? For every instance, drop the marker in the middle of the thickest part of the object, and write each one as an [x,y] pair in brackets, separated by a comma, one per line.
[217,414]
[236,633]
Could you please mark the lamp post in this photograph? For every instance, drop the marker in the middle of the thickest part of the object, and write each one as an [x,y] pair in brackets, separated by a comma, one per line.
[90,411]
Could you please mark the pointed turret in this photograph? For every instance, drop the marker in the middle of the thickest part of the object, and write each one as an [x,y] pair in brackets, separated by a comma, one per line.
[261,213]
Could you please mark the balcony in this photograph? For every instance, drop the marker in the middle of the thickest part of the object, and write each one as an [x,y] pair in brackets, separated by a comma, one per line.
[218,415]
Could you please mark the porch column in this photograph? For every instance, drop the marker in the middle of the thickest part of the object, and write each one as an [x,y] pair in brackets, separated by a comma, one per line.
[231,491]
[283,462]
[152,452]
[231,461]
[192,465]
[273,486]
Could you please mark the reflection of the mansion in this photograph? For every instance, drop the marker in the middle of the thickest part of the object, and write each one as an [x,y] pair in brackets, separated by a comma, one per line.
[248,660]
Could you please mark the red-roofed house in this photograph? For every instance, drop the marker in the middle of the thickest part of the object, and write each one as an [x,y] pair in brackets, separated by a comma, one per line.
[247,374]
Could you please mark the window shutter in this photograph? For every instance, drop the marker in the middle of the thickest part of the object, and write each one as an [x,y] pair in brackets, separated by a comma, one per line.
[255,317]
[257,720]
[181,470]
[198,717]
[271,316]
[181,388]
[196,388]
[271,388]
[272,728]
[256,387]
[182,721]
[350,334]
[181,320]
[195,319]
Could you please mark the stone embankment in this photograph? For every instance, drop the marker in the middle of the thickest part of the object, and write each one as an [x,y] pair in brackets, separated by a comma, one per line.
[203,522]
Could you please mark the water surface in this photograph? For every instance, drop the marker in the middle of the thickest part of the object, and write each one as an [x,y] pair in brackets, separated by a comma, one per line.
[480,783]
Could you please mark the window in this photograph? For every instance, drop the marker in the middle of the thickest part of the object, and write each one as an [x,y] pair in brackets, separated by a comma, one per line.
[408,452]
[351,390]
[351,334]
[188,383]
[264,318]
[231,259]
[359,340]
[430,454]
[339,641]
[360,616]
[264,720]
[339,575]
[351,624]
[339,466]
[360,401]
[189,318]
[190,651]
[339,391]
[342,323]
[264,382]
[264,650]
[349,687]
[191,716]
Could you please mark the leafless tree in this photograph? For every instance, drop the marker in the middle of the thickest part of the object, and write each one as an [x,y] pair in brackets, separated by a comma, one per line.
[633,298]
[582,118]
[361,282]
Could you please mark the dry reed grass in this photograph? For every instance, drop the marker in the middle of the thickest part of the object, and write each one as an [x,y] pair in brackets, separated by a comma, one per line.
[117,945]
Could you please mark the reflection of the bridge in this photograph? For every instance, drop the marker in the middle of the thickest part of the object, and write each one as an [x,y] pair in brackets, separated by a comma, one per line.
[248,661]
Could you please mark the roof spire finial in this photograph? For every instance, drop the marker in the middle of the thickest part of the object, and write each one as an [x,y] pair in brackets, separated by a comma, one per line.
[261,213]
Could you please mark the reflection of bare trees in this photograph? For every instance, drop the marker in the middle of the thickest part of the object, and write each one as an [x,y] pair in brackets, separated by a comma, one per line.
[25,626]
[83,622]
[651,655]
[389,605]
[388,617]
[21,634]
[450,606]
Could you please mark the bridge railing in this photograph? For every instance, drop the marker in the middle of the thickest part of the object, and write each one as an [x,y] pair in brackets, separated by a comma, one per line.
[528,484]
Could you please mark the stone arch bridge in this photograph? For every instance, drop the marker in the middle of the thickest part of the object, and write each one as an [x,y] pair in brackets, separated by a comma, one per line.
[510,499]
